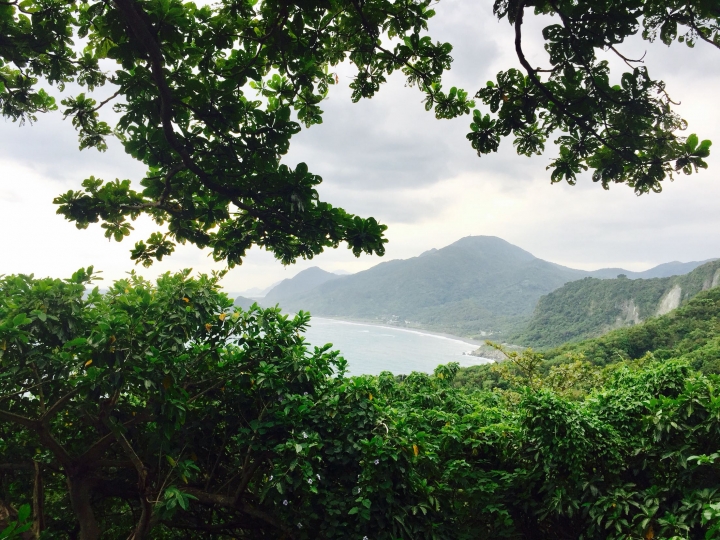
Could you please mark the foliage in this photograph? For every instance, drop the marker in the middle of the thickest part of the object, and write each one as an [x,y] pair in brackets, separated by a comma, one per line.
[573,377]
[157,410]
[624,131]
[20,524]
[590,307]
[208,98]
[691,332]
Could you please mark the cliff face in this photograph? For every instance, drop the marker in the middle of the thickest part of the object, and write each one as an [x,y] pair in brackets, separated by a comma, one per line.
[591,307]
[670,301]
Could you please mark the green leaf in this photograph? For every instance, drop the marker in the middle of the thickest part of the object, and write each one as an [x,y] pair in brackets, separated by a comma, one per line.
[20,320]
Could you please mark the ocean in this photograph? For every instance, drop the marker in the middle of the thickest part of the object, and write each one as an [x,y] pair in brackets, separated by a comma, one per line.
[370,349]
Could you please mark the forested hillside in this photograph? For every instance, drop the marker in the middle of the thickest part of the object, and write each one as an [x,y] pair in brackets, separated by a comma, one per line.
[591,307]
[478,284]
[690,333]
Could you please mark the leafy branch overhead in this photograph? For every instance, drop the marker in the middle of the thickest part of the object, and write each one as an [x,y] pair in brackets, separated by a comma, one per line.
[208,98]
[624,133]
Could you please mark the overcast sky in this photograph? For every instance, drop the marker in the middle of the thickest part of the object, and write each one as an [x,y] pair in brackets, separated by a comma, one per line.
[388,158]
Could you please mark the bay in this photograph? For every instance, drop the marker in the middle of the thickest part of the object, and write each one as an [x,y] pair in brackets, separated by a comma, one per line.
[370,349]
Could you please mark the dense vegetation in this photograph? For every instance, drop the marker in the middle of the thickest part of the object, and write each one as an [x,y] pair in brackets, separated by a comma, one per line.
[158,411]
[591,307]
[690,333]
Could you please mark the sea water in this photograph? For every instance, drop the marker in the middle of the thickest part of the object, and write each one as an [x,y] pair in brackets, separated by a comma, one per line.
[370,349]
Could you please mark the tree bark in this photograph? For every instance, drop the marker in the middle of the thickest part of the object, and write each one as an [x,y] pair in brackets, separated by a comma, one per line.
[38,502]
[80,490]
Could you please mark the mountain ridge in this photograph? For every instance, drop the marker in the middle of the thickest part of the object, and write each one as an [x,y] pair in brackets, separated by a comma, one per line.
[591,307]
[478,286]
[475,286]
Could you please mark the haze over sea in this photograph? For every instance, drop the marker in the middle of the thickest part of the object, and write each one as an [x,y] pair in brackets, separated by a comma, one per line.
[370,349]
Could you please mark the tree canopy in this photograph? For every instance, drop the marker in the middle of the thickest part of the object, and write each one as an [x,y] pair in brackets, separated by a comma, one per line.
[156,410]
[209,97]
[625,133]
[160,410]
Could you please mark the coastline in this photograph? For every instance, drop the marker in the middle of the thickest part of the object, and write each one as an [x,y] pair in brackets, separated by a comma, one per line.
[360,322]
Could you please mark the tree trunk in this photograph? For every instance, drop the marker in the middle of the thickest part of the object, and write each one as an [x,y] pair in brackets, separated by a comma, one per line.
[80,489]
[38,502]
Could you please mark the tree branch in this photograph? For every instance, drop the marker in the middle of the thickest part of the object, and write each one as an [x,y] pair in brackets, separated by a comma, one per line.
[226,501]
[92,454]
[548,94]
[18,419]
[108,100]
[143,525]
[55,407]
[7,396]
[138,25]
[628,60]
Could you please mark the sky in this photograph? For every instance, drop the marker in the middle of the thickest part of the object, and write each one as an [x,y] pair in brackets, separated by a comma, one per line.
[387,157]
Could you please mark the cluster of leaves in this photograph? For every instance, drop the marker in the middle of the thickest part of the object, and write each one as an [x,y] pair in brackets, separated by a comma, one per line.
[625,132]
[154,411]
[208,99]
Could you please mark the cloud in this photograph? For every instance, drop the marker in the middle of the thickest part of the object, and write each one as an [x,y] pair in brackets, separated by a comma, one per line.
[50,146]
[387,157]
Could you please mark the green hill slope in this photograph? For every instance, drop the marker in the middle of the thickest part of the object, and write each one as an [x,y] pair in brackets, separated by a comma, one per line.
[691,332]
[477,286]
[591,307]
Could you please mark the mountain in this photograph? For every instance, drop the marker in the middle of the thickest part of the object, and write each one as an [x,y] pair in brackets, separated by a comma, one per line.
[477,286]
[674,268]
[257,292]
[243,302]
[591,307]
[303,282]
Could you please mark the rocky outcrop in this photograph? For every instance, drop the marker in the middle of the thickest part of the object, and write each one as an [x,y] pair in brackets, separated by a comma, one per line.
[629,314]
[670,300]
[716,279]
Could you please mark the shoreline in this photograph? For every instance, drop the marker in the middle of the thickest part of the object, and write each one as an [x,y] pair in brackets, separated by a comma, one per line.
[359,322]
